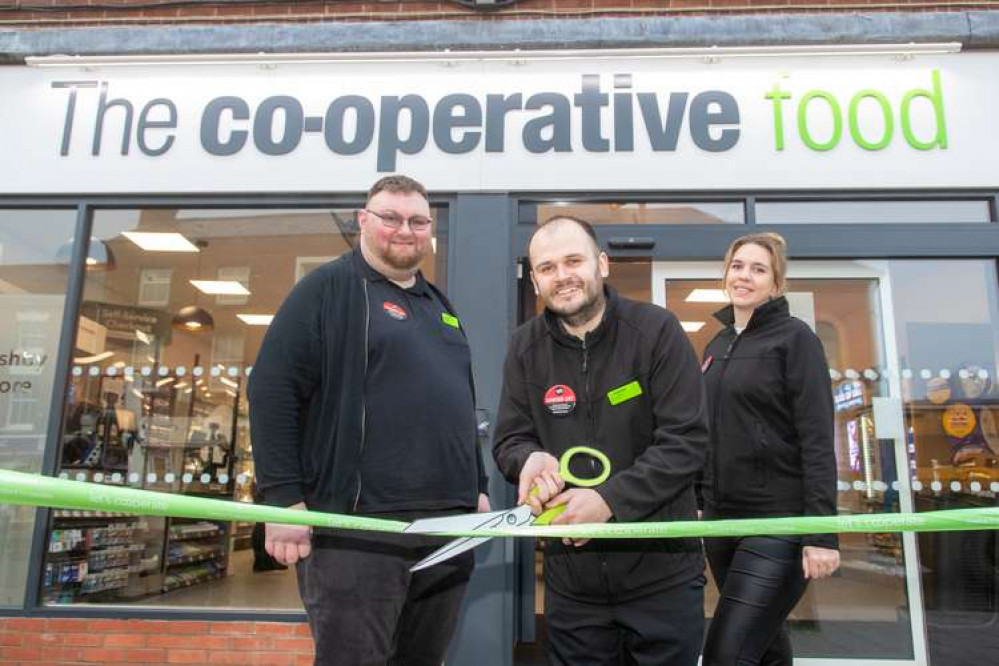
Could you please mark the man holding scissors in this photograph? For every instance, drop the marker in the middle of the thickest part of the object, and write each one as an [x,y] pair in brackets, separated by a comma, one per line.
[601,371]
[362,402]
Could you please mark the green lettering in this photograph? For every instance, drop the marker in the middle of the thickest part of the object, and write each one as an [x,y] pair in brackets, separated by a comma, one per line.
[936,99]
[778,96]
[837,132]
[889,124]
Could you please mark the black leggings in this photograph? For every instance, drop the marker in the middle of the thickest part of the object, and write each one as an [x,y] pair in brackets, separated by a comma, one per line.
[760,580]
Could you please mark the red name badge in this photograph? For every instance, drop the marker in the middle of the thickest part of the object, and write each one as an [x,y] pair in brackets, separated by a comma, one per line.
[560,400]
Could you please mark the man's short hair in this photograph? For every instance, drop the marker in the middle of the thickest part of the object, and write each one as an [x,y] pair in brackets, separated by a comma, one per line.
[579,222]
[397,183]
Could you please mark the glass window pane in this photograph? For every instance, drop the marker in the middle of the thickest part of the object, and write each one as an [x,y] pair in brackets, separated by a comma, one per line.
[157,398]
[872,212]
[947,325]
[687,212]
[35,249]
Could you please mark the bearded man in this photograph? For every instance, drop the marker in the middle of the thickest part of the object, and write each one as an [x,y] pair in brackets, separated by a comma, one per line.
[602,371]
[361,402]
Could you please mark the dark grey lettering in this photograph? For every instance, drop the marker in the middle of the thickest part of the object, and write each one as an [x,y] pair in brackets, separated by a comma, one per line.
[624,127]
[146,124]
[390,144]
[591,101]
[446,120]
[702,118]
[211,122]
[558,120]
[662,135]
[263,125]
[102,107]
[364,131]
[497,106]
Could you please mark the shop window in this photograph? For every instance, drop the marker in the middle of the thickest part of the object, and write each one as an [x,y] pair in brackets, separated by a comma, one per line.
[157,399]
[35,247]
[874,212]
[643,213]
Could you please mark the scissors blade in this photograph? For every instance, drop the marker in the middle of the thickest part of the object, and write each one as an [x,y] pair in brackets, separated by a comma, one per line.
[451,549]
[470,522]
[509,518]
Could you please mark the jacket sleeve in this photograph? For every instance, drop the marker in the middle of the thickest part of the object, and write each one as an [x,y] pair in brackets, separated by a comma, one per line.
[672,461]
[515,437]
[810,397]
[284,377]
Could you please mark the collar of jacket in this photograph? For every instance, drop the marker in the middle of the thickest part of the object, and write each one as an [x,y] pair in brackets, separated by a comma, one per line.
[772,310]
[558,332]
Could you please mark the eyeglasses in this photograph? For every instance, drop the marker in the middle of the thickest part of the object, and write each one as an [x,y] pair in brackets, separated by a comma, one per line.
[395,221]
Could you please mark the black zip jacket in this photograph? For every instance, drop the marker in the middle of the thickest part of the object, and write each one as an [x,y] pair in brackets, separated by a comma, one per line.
[306,392]
[655,441]
[771,412]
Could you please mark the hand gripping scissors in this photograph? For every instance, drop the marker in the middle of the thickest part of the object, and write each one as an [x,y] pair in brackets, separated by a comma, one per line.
[517,517]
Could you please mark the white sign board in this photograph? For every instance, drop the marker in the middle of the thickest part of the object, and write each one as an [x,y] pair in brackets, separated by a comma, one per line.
[589,124]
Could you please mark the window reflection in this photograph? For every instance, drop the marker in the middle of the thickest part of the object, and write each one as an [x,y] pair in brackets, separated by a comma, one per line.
[872,212]
[652,212]
[35,247]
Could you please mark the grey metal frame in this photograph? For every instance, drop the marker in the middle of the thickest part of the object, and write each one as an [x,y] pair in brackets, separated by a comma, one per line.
[813,241]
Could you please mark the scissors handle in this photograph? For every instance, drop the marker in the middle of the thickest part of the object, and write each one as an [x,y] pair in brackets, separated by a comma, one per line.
[546,517]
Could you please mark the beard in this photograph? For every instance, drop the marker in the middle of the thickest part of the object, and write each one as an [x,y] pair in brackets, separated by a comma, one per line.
[404,260]
[577,314]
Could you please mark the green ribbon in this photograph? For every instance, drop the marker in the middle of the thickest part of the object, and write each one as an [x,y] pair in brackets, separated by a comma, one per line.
[42,491]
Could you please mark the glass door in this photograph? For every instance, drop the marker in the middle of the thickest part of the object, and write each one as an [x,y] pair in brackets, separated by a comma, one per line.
[871,611]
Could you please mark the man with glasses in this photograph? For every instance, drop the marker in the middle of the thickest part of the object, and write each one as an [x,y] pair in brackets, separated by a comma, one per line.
[362,402]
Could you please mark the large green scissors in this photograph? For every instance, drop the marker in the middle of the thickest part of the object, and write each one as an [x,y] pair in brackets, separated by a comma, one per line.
[517,517]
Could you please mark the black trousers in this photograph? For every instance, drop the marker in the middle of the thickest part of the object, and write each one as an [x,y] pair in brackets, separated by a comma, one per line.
[760,580]
[365,608]
[660,629]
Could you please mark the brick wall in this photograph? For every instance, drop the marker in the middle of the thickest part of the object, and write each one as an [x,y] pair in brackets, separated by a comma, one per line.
[81,641]
[42,13]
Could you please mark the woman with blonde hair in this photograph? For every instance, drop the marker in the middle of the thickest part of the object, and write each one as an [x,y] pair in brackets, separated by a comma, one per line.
[771,454]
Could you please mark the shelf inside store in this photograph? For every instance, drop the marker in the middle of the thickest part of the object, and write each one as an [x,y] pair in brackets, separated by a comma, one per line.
[202,530]
[194,558]
[196,575]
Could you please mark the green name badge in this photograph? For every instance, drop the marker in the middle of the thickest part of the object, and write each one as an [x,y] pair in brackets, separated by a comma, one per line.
[624,393]
[450,320]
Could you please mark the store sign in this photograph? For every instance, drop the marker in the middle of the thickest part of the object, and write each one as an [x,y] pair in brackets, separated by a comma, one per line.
[595,123]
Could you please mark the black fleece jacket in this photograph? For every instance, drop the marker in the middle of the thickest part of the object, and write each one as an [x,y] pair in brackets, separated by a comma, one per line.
[306,394]
[771,412]
[655,439]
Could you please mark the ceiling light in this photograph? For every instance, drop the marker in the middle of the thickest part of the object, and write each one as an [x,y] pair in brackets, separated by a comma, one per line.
[193,319]
[692,326]
[256,319]
[220,287]
[83,360]
[160,242]
[706,296]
